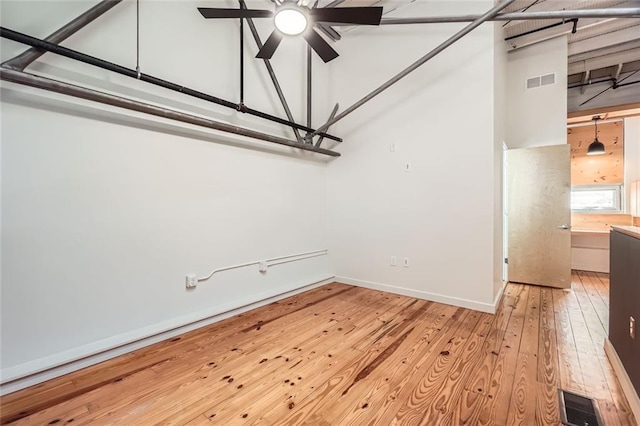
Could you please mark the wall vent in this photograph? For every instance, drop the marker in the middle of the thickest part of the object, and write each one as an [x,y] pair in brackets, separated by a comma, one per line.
[541,80]
[548,79]
[533,82]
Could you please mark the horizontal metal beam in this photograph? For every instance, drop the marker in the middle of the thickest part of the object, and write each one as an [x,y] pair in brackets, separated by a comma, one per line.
[573,22]
[44,83]
[100,63]
[627,12]
[625,84]
[23,60]
[548,34]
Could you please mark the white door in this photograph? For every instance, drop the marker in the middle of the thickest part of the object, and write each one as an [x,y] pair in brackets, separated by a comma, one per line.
[539,186]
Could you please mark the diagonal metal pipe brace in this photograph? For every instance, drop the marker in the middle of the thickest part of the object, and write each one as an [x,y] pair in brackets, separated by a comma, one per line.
[25,59]
[333,114]
[272,74]
[52,85]
[457,36]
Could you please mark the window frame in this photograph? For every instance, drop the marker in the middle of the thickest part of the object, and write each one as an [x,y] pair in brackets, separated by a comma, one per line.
[618,187]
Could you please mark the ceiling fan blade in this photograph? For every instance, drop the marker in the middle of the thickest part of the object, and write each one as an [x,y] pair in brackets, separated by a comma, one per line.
[348,15]
[212,12]
[270,45]
[320,46]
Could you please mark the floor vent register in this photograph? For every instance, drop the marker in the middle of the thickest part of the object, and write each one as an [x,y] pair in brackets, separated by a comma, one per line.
[577,410]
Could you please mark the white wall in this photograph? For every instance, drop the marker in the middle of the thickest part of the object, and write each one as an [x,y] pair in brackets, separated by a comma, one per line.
[499,139]
[105,211]
[537,117]
[631,153]
[590,252]
[440,119]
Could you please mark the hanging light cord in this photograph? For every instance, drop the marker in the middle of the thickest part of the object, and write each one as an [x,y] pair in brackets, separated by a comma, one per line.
[138,38]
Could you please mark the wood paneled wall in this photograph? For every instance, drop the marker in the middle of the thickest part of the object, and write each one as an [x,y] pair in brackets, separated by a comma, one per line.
[597,169]
[599,222]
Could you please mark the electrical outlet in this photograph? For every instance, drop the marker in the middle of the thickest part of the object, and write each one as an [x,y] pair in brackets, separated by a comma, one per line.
[394,261]
[632,327]
[192,281]
[406,262]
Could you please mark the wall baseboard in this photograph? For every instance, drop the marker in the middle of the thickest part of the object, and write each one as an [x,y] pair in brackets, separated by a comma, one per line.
[433,297]
[498,298]
[625,382]
[590,267]
[46,368]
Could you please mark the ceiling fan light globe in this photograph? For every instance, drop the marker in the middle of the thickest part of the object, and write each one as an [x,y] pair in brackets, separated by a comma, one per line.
[291,21]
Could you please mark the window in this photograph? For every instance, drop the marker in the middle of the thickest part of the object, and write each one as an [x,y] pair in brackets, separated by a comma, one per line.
[596,198]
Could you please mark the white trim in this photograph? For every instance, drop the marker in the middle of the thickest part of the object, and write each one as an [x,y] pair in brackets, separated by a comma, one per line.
[590,267]
[498,298]
[463,303]
[623,378]
[29,373]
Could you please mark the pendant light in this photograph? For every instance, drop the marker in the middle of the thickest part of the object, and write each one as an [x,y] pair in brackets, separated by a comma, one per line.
[596,147]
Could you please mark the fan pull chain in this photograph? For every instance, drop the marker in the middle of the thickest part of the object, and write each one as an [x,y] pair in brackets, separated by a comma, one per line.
[138,38]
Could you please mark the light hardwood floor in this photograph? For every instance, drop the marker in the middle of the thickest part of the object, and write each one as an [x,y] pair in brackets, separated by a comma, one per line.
[346,355]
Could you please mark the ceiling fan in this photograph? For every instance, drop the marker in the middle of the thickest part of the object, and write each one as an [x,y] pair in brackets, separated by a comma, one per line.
[293,18]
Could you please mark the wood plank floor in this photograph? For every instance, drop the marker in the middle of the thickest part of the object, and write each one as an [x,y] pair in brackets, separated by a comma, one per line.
[346,355]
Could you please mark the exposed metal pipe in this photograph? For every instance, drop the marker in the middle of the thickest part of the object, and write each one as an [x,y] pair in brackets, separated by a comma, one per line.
[272,74]
[329,31]
[627,12]
[457,36]
[326,28]
[45,83]
[309,85]
[615,86]
[523,10]
[23,60]
[333,114]
[335,3]
[265,263]
[582,86]
[241,60]
[138,37]
[91,60]
[547,27]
